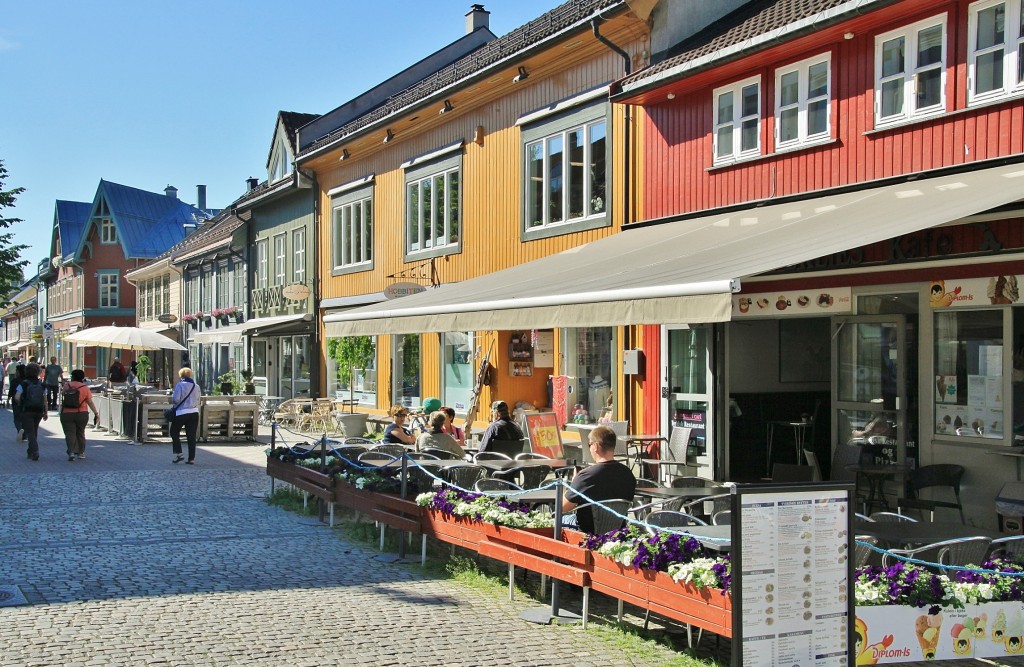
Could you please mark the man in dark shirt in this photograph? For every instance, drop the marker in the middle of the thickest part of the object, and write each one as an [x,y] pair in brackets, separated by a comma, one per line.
[502,427]
[606,479]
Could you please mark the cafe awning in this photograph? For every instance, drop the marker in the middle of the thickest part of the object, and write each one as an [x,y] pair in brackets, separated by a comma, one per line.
[254,327]
[683,271]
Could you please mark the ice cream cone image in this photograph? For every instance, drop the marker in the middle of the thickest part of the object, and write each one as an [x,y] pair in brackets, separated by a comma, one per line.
[999,627]
[980,623]
[927,627]
[962,636]
[1013,640]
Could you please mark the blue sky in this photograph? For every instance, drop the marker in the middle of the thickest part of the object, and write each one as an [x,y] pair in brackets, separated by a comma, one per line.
[184,93]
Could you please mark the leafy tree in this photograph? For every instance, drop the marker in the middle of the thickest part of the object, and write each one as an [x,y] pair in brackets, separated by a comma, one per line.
[11,263]
[351,352]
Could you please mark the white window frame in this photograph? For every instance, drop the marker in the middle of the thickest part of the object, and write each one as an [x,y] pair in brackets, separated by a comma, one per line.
[109,288]
[223,298]
[299,255]
[591,209]
[280,258]
[439,244]
[736,151]
[352,249]
[108,231]
[261,264]
[803,102]
[911,71]
[1012,47]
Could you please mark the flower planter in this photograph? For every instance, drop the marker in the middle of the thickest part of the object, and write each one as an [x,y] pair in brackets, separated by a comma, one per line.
[310,481]
[353,424]
[625,583]
[706,608]
[383,507]
[456,530]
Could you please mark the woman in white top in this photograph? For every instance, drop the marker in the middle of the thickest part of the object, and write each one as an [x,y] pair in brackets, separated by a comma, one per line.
[186,402]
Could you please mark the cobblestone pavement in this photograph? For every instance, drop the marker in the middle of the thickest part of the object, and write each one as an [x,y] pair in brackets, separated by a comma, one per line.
[126,559]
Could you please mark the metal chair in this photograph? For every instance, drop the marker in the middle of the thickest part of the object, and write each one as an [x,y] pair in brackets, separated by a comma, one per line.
[391,449]
[862,517]
[375,458]
[1011,547]
[930,477]
[891,517]
[528,477]
[862,550]
[288,412]
[605,514]
[489,484]
[508,447]
[723,518]
[693,482]
[349,453]
[442,454]
[491,456]
[529,456]
[708,505]
[670,519]
[464,476]
[424,480]
[423,456]
[644,482]
[365,442]
[843,456]
[962,551]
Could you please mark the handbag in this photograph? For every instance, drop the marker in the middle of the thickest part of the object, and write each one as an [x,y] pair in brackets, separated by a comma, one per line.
[170,412]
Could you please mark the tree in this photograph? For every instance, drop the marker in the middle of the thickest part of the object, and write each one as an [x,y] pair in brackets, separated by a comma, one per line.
[11,263]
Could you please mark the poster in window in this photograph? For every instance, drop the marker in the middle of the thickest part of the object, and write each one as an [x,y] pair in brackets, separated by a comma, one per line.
[545,438]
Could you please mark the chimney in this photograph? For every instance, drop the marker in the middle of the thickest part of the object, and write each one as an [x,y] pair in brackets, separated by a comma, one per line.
[252,183]
[201,197]
[477,18]
[171,191]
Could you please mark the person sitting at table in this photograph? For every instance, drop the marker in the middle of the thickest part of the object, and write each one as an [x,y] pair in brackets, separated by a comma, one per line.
[396,432]
[436,438]
[501,428]
[451,429]
[605,479]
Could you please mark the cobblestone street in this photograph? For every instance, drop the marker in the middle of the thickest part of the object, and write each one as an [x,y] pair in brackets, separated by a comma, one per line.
[126,559]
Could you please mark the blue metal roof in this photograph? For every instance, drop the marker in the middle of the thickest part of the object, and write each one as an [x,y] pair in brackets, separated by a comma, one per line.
[148,223]
[69,220]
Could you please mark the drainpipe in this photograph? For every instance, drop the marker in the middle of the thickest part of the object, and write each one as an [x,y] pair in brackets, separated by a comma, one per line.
[627,67]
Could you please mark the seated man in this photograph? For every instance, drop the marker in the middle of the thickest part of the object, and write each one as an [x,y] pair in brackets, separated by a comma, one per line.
[502,427]
[605,479]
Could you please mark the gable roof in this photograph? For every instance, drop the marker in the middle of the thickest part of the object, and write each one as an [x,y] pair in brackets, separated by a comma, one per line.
[147,223]
[212,235]
[754,27]
[292,121]
[69,218]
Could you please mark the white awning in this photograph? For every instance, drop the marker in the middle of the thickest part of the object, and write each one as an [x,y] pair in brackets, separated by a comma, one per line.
[253,327]
[20,345]
[682,271]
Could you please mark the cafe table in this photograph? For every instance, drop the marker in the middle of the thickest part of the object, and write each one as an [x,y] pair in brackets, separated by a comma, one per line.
[799,430]
[685,492]
[910,534]
[502,465]
[876,474]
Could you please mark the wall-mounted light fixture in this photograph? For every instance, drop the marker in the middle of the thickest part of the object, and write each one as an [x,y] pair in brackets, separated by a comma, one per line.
[522,76]
[848,35]
[446,108]
[671,96]
[344,154]
[389,136]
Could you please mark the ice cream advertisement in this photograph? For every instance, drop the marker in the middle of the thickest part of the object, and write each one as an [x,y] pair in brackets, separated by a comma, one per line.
[891,634]
[995,290]
[793,303]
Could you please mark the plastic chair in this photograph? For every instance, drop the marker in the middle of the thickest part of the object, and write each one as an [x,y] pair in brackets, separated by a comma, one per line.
[464,477]
[670,519]
[488,484]
[929,477]
[605,514]
[812,461]
[391,449]
[442,454]
[862,550]
[962,551]
[891,517]
[723,518]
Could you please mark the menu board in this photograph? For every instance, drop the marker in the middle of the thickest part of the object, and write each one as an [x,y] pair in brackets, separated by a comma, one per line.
[792,598]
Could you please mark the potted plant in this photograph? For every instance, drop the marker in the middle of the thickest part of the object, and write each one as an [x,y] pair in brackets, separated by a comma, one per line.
[229,383]
[142,363]
[250,386]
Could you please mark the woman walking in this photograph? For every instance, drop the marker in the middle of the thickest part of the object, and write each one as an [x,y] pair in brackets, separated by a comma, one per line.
[74,413]
[186,413]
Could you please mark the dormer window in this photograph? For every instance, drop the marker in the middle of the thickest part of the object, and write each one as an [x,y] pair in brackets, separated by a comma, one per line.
[108,232]
[280,161]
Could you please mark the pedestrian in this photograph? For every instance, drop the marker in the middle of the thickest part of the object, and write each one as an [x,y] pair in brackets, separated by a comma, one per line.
[15,376]
[186,414]
[31,398]
[74,413]
[53,375]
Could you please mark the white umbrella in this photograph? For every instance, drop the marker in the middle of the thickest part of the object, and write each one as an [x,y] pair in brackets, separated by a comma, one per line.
[124,338]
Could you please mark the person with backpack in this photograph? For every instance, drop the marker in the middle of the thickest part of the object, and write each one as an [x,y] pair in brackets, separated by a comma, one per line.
[16,375]
[53,375]
[74,413]
[30,396]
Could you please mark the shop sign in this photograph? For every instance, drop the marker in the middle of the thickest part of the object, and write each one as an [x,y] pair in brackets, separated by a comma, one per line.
[993,291]
[796,303]
[167,318]
[295,292]
[396,290]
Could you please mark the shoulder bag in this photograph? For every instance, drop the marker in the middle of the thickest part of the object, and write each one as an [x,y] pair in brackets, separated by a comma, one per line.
[170,412]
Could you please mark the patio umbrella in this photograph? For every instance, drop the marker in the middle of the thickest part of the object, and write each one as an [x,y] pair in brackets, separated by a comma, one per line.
[124,338]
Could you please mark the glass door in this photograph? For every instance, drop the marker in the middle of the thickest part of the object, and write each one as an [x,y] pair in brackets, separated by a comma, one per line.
[869,374]
[686,391]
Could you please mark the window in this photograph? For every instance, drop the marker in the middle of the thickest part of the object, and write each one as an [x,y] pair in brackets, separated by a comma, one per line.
[193,292]
[352,230]
[165,292]
[108,232]
[280,162]
[910,71]
[206,292]
[280,260]
[995,50]
[150,298]
[299,256]
[238,284]
[802,95]
[433,206]
[223,293]
[261,264]
[352,368]
[405,369]
[589,358]
[737,121]
[565,172]
[109,289]
[969,374]
[457,375]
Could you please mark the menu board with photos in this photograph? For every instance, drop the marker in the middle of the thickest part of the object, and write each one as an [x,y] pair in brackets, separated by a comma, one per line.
[792,575]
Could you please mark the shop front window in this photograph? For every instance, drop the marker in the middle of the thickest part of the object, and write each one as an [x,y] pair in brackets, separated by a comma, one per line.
[457,374]
[589,354]
[352,358]
[969,374]
[406,370]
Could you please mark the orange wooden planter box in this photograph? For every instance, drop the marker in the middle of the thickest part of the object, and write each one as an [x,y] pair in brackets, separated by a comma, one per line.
[619,581]
[310,481]
[384,507]
[706,608]
[456,530]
